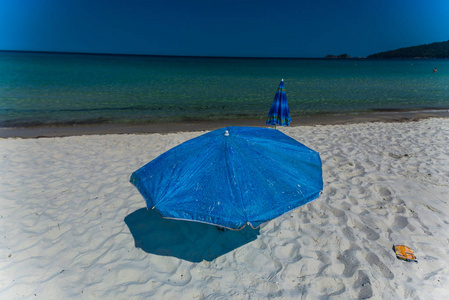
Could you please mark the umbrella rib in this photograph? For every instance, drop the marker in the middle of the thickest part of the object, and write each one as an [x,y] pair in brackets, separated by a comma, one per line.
[230,177]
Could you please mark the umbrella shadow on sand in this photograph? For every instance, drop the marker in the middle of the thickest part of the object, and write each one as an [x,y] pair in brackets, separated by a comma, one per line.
[185,240]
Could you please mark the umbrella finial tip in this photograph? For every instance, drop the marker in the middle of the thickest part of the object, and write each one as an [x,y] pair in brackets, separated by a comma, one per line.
[226,133]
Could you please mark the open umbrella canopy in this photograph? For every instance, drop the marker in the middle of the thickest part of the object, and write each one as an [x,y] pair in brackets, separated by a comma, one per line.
[231,177]
[279,113]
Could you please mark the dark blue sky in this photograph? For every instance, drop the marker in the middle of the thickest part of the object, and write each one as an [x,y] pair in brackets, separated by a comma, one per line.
[296,28]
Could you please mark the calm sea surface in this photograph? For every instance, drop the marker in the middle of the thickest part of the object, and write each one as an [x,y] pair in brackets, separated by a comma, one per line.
[56,89]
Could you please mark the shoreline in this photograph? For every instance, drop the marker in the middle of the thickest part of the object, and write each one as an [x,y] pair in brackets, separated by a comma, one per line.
[175,127]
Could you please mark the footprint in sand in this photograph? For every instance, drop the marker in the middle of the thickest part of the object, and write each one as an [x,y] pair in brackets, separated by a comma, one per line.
[331,191]
[373,259]
[325,262]
[329,288]
[370,234]
[400,209]
[400,222]
[341,217]
[288,252]
[349,233]
[349,259]
[363,282]
[385,193]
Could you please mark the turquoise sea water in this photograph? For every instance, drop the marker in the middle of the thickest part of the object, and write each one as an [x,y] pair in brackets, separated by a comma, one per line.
[55,89]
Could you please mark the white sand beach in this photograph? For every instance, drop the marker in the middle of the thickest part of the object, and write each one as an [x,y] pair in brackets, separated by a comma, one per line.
[73,227]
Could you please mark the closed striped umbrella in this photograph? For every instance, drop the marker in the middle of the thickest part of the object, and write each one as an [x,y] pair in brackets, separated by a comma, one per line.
[279,113]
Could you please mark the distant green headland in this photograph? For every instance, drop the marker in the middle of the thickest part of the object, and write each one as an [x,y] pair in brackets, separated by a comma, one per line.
[434,50]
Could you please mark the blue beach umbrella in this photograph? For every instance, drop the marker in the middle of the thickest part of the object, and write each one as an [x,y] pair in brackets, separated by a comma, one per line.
[231,177]
[279,113]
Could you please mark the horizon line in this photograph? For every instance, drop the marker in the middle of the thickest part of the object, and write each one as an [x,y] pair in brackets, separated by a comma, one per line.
[165,55]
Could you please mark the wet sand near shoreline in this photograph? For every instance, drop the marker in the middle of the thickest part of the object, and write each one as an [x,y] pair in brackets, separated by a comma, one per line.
[163,128]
